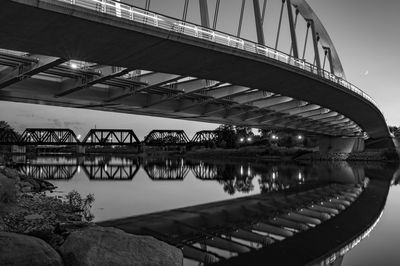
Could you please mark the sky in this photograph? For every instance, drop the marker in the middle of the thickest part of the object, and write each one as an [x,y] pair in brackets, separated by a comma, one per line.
[366,35]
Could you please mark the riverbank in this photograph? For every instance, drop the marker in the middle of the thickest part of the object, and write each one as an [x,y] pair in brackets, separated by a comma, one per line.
[259,154]
[49,230]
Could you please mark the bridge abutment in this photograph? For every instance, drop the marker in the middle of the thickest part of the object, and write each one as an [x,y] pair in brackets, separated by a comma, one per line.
[347,145]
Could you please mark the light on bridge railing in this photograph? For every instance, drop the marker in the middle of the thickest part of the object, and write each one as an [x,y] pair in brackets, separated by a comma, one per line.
[270,53]
[73,66]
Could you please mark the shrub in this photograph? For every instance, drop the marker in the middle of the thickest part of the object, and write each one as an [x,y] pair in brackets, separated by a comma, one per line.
[77,203]
[391,154]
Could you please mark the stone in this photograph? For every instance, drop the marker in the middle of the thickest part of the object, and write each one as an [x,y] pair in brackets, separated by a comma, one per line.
[26,189]
[21,250]
[34,216]
[11,173]
[110,246]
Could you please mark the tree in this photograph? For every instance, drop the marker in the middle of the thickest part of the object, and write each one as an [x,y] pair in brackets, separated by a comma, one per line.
[227,136]
[7,133]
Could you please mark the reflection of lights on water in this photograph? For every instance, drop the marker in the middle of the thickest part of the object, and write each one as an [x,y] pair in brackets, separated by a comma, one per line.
[273,175]
[248,171]
[79,168]
[329,260]
[241,170]
[275,137]
[300,176]
[105,167]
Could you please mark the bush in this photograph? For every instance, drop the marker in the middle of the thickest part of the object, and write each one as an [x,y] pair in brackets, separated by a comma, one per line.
[77,203]
[391,154]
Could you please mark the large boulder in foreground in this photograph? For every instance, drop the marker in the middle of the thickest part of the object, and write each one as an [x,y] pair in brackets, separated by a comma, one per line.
[21,250]
[110,246]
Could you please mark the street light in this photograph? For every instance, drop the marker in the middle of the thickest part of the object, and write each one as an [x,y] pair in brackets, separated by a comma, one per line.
[249,139]
[299,137]
[241,139]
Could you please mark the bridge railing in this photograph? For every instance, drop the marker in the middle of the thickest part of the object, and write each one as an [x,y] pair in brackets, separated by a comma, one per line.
[136,14]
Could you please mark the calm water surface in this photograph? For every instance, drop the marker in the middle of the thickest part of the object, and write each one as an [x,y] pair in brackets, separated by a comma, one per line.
[130,186]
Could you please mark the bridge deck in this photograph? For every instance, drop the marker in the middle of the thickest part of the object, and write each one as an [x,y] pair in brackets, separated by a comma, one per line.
[124,43]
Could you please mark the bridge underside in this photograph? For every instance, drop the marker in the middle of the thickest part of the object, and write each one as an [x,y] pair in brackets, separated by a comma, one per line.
[208,82]
[109,88]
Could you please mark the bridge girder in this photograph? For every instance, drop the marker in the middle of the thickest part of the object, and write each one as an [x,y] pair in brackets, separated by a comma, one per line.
[158,100]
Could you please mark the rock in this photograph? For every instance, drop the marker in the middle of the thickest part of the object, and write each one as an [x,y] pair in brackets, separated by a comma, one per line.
[110,246]
[11,173]
[34,216]
[21,250]
[26,189]
[7,190]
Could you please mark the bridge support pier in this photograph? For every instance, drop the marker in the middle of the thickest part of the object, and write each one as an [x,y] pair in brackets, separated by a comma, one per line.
[331,144]
[80,149]
[18,149]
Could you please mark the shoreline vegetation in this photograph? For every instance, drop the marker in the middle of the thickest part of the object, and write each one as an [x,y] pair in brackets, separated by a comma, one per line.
[37,228]
[271,154]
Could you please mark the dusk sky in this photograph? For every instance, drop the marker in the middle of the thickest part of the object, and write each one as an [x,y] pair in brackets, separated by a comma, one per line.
[366,35]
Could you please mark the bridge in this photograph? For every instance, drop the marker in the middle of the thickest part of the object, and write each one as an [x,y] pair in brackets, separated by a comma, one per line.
[105,137]
[94,170]
[113,56]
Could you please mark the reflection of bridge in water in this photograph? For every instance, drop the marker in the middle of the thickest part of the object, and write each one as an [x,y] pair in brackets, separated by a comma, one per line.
[65,170]
[225,231]
[167,169]
[233,177]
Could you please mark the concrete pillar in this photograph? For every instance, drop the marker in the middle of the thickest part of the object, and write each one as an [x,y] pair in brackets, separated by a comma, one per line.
[18,149]
[347,145]
[80,149]
[80,160]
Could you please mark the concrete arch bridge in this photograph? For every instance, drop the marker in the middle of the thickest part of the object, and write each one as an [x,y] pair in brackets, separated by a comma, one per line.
[263,64]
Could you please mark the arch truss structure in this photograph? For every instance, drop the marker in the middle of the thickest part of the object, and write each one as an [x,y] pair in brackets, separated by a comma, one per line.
[272,66]
[49,136]
[159,137]
[105,137]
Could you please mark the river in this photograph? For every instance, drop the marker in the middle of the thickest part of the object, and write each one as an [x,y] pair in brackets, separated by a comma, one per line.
[139,187]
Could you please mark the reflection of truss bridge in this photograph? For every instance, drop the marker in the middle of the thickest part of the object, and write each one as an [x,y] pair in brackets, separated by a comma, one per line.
[49,171]
[94,171]
[206,171]
[166,170]
[111,171]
